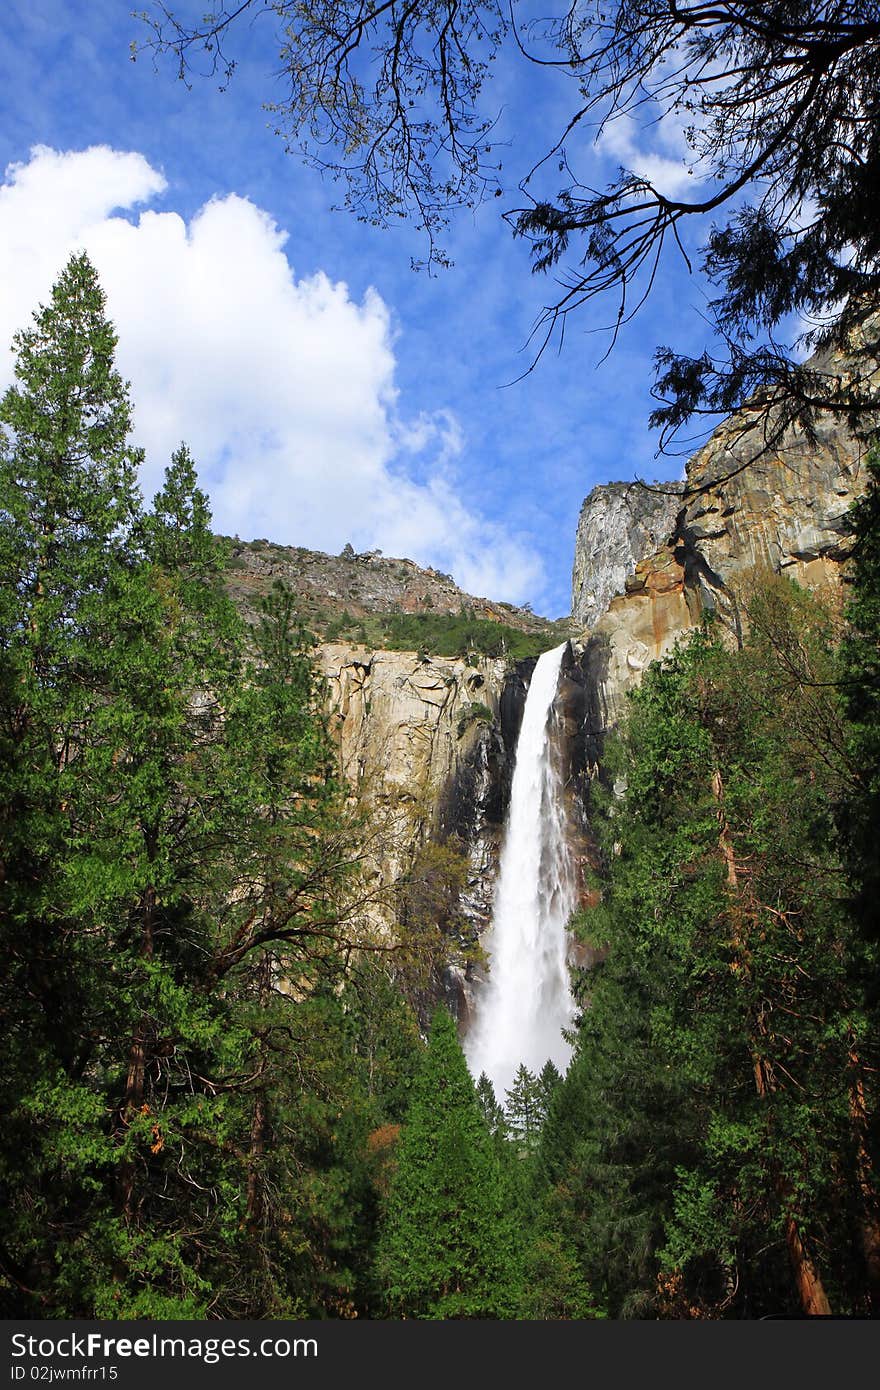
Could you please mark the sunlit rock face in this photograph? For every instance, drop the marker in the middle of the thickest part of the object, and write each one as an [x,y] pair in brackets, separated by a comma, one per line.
[410,730]
[743,508]
[401,719]
[619,524]
[785,510]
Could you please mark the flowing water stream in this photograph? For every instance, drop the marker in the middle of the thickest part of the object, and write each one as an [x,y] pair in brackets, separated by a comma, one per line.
[527,1001]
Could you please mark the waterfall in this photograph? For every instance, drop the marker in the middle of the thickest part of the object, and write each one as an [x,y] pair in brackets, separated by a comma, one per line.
[527,1001]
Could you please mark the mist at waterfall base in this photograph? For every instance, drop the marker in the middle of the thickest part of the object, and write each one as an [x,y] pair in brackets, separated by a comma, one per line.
[527,1001]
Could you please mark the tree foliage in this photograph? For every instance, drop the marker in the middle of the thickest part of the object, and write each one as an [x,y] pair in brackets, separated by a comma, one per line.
[524,1110]
[711,1143]
[393,88]
[493,1112]
[860,674]
[448,1243]
[434,933]
[776,107]
[179,891]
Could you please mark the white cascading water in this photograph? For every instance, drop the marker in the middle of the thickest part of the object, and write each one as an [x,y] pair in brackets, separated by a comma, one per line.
[527,1001]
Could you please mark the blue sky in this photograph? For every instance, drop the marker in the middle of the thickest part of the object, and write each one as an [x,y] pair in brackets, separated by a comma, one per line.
[329,393]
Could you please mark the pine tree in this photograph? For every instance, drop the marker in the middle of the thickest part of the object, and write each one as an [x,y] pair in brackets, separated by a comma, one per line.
[68,504]
[493,1113]
[173,848]
[549,1080]
[524,1110]
[859,824]
[68,507]
[713,1167]
[448,1247]
[860,663]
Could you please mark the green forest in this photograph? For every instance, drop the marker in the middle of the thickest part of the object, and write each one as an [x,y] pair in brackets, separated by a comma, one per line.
[442,634]
[222,1095]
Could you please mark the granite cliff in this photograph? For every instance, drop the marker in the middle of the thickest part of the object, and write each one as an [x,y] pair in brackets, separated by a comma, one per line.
[425,737]
[650,561]
[419,745]
[619,524]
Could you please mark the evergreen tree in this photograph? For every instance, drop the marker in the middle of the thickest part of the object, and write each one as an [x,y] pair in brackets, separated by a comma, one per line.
[173,922]
[554,1284]
[448,1247]
[524,1110]
[549,1079]
[713,1164]
[68,506]
[493,1113]
[434,934]
[68,503]
[859,823]
[860,674]
[384,1036]
[284,932]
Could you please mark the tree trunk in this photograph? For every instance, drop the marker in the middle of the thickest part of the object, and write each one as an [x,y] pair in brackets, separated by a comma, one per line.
[814,1300]
[254,1209]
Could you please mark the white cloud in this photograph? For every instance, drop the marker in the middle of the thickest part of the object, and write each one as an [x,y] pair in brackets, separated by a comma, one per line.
[49,205]
[659,152]
[283,388]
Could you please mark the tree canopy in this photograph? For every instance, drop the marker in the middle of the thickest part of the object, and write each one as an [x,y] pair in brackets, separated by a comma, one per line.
[712,1149]
[178,891]
[776,106]
[448,1241]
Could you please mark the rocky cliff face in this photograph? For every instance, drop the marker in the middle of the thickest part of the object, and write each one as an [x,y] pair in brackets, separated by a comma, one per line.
[619,524]
[420,746]
[358,585]
[425,741]
[742,507]
[427,746]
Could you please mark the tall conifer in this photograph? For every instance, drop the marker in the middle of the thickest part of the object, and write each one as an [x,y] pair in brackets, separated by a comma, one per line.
[171,850]
[448,1247]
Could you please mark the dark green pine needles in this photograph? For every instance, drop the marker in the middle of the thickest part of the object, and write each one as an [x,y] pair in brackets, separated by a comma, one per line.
[448,1245]
[173,851]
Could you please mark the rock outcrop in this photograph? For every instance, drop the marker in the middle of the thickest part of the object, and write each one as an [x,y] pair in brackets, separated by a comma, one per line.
[742,508]
[357,585]
[420,746]
[619,524]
